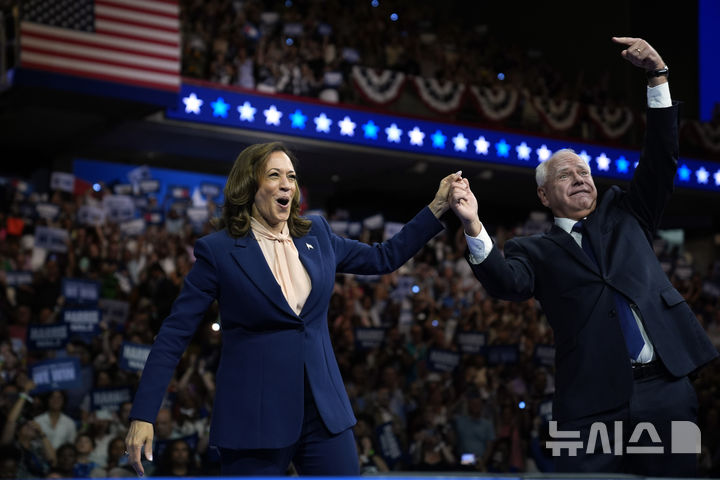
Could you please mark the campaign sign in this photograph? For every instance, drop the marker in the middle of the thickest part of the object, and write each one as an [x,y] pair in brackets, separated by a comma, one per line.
[502,354]
[369,338]
[80,292]
[136,175]
[16,278]
[178,191]
[58,374]
[133,356]
[48,211]
[47,337]
[51,239]
[133,228]
[443,360]
[210,190]
[374,222]
[150,185]
[471,342]
[390,446]
[123,189]
[84,323]
[141,203]
[155,217]
[197,215]
[545,410]
[114,311]
[62,181]
[119,208]
[91,215]
[109,398]
[544,355]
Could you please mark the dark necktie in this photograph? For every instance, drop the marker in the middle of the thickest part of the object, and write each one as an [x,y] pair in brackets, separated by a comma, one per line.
[633,337]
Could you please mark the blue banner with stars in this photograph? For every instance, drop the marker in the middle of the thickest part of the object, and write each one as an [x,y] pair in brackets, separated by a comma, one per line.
[317,120]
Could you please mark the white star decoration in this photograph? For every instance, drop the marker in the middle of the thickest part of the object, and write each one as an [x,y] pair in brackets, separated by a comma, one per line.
[347,127]
[393,133]
[702,175]
[523,151]
[543,153]
[585,157]
[322,123]
[272,116]
[416,137]
[717,178]
[192,104]
[603,162]
[247,112]
[460,142]
[481,146]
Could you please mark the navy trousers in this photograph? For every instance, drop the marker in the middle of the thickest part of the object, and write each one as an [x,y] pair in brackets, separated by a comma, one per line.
[658,400]
[317,452]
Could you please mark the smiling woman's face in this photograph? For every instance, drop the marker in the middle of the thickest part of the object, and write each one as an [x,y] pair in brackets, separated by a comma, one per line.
[277,187]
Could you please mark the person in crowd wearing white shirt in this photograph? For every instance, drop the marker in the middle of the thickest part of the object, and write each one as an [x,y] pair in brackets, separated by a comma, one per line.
[58,427]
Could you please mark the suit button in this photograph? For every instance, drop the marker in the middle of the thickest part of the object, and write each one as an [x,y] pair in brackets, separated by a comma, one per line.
[612,313]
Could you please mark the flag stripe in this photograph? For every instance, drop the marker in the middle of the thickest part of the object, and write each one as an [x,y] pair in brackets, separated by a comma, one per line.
[124,29]
[133,42]
[137,18]
[152,7]
[109,42]
[93,68]
[79,52]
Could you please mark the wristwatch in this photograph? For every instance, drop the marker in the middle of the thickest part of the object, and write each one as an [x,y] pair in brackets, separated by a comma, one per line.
[660,72]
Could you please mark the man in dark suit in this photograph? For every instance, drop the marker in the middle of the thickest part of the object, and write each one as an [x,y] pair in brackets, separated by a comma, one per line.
[625,338]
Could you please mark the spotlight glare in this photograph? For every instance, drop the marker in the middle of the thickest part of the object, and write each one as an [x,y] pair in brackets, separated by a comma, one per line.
[96,187]
[415,289]
[521,405]
[394,17]
[501,76]
[289,42]
[215,327]
[375,3]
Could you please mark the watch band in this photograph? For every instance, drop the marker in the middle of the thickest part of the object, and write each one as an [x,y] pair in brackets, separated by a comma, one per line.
[660,72]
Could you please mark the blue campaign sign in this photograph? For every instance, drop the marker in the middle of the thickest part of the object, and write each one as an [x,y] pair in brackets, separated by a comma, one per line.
[83,323]
[471,342]
[390,446]
[16,278]
[502,354]
[210,190]
[369,338]
[114,311]
[443,360]
[544,355]
[58,374]
[109,398]
[133,356]
[80,292]
[47,337]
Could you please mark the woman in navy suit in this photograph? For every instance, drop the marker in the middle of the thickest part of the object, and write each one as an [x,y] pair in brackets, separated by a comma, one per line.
[280,397]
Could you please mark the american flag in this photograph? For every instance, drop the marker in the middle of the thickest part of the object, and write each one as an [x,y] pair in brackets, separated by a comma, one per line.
[133,42]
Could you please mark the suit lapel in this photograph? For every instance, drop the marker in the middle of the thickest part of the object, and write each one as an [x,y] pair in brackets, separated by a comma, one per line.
[567,242]
[250,259]
[311,258]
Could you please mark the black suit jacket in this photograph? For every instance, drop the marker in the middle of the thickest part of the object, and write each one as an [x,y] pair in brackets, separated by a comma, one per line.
[593,371]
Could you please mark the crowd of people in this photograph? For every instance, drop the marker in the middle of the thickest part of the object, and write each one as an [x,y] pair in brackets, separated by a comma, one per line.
[426,399]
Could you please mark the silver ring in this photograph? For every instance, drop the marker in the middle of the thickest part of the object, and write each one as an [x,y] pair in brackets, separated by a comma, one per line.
[638,50]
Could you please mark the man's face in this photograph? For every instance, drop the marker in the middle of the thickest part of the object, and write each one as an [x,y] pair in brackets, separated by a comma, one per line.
[569,190]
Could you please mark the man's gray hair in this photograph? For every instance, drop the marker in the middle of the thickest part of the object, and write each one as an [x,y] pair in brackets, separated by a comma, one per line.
[541,170]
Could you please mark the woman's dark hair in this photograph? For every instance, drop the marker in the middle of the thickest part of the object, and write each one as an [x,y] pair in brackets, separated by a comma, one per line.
[242,185]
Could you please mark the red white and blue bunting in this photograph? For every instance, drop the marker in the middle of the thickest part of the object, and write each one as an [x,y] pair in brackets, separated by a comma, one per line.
[613,122]
[381,87]
[708,134]
[443,97]
[495,103]
[560,115]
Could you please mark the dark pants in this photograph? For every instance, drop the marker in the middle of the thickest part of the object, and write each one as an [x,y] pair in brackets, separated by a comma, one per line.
[317,452]
[657,400]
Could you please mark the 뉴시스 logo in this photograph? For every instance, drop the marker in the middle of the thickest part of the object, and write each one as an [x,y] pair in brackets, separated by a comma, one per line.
[684,438]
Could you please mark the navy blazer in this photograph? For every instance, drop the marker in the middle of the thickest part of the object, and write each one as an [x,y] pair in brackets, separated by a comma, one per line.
[266,347]
[593,370]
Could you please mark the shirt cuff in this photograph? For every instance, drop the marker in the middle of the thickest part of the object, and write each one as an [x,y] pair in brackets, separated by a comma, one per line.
[479,246]
[659,97]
